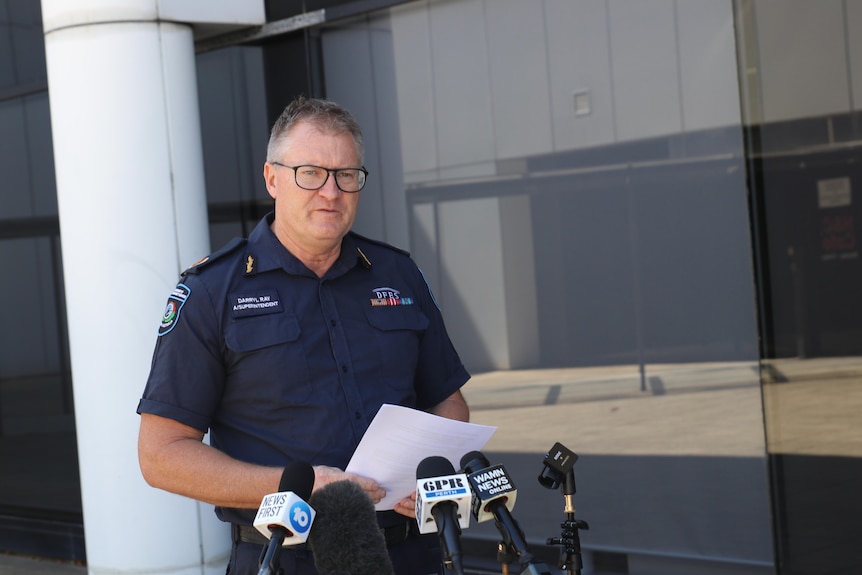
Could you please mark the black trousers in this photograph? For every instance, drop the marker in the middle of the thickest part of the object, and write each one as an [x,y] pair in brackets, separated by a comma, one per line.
[416,555]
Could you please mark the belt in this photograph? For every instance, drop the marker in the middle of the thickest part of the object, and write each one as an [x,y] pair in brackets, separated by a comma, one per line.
[393,535]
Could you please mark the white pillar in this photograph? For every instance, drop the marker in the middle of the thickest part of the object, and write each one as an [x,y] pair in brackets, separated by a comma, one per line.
[130,186]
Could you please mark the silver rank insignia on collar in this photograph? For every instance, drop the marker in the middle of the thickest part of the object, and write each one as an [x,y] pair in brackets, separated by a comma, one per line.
[366,263]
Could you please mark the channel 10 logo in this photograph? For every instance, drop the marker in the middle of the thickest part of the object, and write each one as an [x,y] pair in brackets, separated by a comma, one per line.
[300,517]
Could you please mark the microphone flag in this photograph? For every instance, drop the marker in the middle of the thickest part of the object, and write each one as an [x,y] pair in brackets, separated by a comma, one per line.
[490,483]
[287,509]
[432,490]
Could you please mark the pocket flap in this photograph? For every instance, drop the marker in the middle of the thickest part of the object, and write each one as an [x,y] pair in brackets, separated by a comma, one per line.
[392,318]
[258,332]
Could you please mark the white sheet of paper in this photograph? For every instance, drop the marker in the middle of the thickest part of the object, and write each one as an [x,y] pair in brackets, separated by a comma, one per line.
[399,438]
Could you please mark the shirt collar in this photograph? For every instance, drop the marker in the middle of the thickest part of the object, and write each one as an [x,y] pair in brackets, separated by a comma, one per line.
[267,253]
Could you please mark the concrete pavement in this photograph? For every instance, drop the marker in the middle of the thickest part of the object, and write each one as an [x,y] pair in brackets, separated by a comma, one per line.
[22,565]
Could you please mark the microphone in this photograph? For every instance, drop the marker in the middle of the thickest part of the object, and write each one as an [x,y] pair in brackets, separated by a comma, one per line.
[345,537]
[442,496]
[493,489]
[284,517]
[494,495]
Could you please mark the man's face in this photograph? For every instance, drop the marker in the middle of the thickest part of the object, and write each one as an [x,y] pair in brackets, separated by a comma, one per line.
[312,220]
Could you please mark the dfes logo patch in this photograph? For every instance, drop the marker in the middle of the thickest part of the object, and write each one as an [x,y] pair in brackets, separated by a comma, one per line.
[388,296]
[176,301]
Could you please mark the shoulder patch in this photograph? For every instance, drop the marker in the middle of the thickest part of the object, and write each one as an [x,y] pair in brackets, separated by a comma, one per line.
[172,310]
[379,243]
[231,246]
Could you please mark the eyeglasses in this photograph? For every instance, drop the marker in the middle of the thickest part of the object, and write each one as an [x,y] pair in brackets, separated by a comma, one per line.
[349,180]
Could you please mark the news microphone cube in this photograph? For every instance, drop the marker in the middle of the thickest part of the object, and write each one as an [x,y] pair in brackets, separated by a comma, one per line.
[434,490]
[287,510]
[490,484]
[560,458]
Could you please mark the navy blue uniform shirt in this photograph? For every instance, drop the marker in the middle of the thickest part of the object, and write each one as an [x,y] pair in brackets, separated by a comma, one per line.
[280,365]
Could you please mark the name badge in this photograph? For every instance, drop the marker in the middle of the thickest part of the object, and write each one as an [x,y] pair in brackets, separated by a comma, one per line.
[260,302]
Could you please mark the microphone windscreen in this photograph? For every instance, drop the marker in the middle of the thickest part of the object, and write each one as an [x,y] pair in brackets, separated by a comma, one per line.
[434,466]
[345,538]
[474,461]
[297,477]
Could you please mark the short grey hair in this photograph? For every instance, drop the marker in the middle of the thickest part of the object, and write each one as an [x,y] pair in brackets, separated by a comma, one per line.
[325,115]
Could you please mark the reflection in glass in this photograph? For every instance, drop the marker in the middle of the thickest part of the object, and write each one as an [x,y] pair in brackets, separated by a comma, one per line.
[576,196]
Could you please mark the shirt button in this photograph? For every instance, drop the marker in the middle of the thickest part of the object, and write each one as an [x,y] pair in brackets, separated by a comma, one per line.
[344,368]
[357,415]
[332,322]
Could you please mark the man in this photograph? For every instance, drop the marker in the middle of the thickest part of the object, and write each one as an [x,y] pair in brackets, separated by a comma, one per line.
[284,346]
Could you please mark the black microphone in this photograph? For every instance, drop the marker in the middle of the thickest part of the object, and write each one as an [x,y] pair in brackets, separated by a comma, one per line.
[494,495]
[285,517]
[345,537]
[444,495]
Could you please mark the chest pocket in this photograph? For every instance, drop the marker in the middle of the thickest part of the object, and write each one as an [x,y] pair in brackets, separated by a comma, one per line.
[397,318]
[266,363]
[254,333]
[396,333]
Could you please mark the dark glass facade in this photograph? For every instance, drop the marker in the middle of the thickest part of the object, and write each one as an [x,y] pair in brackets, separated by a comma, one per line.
[38,452]
[638,220]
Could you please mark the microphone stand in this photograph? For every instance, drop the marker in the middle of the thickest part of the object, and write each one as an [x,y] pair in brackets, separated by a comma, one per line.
[514,545]
[269,555]
[570,555]
[449,533]
[505,555]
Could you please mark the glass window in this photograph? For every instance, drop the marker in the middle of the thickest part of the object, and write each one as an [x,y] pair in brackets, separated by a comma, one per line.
[579,182]
[801,89]
[38,449]
[234,134]
[22,46]
[573,183]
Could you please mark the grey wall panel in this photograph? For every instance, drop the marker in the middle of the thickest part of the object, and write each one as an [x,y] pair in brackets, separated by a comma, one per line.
[644,69]
[796,80]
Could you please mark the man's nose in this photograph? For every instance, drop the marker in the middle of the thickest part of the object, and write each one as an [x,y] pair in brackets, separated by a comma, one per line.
[330,187]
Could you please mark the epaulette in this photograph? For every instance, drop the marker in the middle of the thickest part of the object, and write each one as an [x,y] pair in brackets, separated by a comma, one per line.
[379,243]
[231,246]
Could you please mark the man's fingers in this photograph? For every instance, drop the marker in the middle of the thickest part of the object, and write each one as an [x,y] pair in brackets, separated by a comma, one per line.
[324,475]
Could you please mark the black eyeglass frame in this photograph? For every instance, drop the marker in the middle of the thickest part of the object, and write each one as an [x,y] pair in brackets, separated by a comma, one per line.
[326,179]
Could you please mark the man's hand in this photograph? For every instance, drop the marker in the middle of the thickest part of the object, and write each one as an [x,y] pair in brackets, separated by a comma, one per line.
[324,475]
[407,506]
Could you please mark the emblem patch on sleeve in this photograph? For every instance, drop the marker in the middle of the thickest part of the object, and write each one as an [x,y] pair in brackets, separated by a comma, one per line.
[172,311]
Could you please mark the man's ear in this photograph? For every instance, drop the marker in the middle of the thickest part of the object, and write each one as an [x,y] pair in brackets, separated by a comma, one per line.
[269,172]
